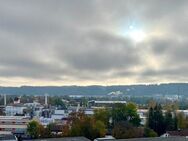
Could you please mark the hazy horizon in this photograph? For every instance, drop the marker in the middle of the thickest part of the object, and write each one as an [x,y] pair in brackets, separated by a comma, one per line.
[98,42]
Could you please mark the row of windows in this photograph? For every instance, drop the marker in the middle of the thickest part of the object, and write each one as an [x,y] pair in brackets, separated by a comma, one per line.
[12,129]
[13,122]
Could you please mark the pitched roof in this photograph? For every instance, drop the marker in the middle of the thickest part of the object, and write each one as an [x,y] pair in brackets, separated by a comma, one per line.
[156,139]
[178,133]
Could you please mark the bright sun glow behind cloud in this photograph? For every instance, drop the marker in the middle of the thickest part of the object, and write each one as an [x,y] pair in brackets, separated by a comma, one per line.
[134,33]
[137,35]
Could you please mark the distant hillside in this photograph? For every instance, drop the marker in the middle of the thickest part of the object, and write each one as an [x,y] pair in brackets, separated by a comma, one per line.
[154,89]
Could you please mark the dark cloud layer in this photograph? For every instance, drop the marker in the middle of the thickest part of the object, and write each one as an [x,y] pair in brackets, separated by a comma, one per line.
[64,41]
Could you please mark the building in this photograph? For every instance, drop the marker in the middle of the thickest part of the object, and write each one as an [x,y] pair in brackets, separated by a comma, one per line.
[45,121]
[94,103]
[36,108]
[14,110]
[13,124]
[89,111]
[143,115]
[156,139]
[7,137]
[17,100]
[65,139]
[60,114]
[183,132]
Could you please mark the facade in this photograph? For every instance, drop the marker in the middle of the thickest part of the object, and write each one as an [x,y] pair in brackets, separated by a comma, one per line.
[60,114]
[45,121]
[13,110]
[13,124]
[143,115]
[7,137]
[89,111]
[95,103]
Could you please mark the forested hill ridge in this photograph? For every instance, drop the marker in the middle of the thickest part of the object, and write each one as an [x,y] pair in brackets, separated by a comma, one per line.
[96,90]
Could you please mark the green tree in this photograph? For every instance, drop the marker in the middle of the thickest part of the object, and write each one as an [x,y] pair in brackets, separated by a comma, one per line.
[57,101]
[122,112]
[149,133]
[175,121]
[33,129]
[150,121]
[132,114]
[156,119]
[170,121]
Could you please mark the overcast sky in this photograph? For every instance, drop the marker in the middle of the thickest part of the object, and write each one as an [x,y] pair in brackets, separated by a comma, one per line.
[86,42]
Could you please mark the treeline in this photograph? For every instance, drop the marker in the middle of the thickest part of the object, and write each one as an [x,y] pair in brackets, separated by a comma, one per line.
[169,120]
[122,121]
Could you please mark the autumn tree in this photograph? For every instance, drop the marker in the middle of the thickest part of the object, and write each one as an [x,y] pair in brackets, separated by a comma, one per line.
[124,130]
[102,115]
[83,125]
[149,132]
[182,120]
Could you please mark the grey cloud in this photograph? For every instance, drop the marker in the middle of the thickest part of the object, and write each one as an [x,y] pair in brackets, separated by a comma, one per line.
[100,51]
[78,39]
[160,46]
[172,74]
[174,50]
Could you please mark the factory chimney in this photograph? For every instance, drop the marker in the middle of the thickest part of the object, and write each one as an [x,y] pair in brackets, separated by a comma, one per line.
[5,100]
[46,99]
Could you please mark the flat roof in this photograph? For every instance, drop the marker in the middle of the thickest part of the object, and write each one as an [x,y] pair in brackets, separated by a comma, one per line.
[109,102]
[64,139]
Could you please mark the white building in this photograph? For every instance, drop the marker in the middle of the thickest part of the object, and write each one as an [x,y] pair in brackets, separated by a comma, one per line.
[94,103]
[13,110]
[89,111]
[46,121]
[37,108]
[60,114]
[143,115]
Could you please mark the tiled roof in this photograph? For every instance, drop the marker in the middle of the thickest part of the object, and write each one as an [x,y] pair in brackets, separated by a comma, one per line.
[157,139]
[178,133]
[136,139]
